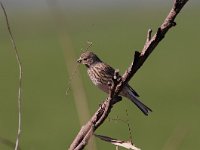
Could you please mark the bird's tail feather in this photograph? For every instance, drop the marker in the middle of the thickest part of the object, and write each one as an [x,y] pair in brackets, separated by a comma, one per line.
[145,109]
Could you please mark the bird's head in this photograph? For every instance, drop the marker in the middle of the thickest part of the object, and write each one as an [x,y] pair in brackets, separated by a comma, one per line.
[88,58]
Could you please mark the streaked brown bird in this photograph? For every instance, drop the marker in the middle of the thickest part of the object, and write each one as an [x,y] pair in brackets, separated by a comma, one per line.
[100,73]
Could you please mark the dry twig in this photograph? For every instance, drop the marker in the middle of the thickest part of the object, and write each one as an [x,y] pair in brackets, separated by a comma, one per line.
[20,77]
[116,142]
[101,114]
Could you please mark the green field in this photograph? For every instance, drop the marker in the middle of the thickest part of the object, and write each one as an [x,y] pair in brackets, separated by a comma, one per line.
[168,82]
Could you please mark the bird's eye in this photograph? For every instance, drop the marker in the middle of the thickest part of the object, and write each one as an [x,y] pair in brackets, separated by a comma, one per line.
[84,58]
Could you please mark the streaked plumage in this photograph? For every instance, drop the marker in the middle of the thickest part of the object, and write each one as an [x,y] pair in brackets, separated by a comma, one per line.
[101,73]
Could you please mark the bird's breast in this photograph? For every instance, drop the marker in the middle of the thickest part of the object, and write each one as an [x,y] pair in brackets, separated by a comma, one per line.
[94,77]
[98,78]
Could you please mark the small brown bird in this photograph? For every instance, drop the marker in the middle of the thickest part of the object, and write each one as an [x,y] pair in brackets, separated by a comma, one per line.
[101,73]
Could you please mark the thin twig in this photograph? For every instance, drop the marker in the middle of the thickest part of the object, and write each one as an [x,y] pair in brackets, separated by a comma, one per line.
[118,119]
[71,78]
[19,99]
[89,45]
[129,128]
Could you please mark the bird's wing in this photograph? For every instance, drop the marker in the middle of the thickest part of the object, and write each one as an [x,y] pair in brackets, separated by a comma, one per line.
[109,70]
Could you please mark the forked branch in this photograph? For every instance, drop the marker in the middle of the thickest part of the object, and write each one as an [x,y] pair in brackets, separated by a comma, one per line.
[103,111]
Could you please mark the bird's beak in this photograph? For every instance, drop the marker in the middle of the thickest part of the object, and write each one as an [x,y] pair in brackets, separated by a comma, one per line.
[79,60]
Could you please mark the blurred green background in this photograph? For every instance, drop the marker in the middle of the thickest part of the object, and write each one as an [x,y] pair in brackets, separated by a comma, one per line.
[50,35]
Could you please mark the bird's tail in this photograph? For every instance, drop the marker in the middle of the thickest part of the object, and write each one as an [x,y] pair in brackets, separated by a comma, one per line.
[130,95]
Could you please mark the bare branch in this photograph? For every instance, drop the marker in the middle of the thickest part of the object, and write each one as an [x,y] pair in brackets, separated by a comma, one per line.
[150,45]
[139,58]
[20,77]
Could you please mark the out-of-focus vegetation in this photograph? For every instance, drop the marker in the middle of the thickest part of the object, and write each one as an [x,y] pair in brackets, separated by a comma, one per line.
[168,82]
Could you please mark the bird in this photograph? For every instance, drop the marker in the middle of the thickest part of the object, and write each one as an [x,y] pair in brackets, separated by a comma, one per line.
[101,74]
